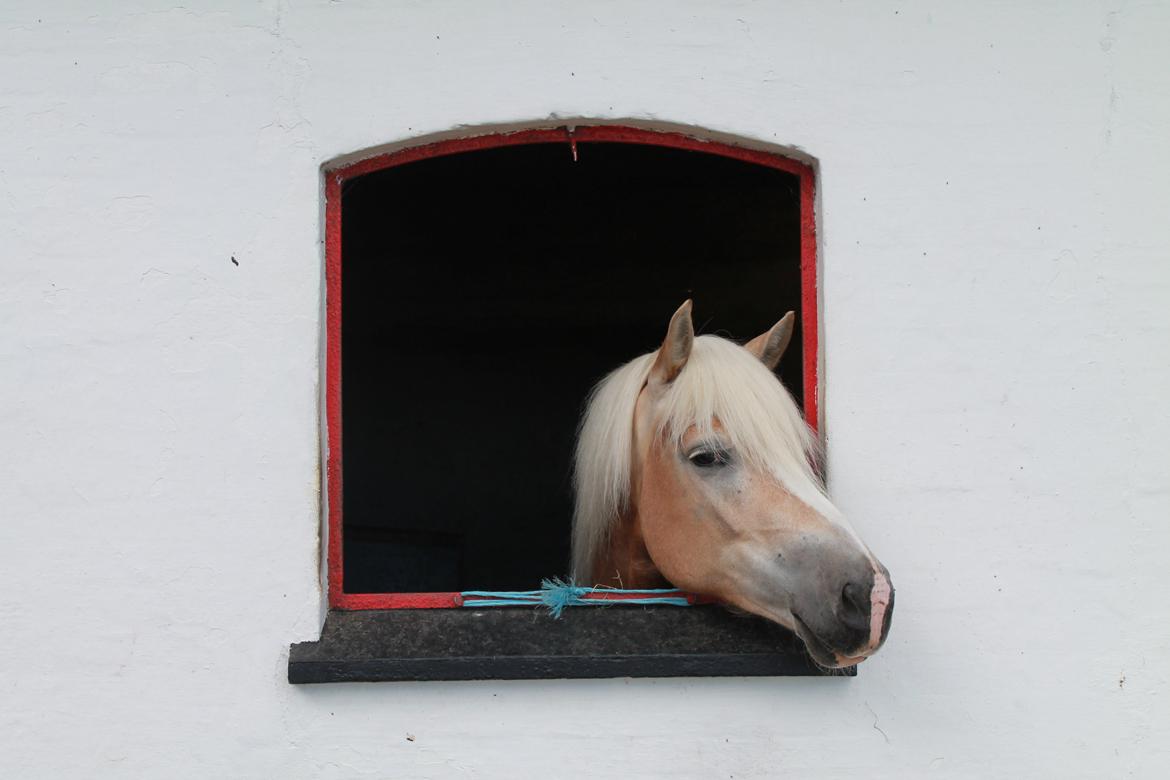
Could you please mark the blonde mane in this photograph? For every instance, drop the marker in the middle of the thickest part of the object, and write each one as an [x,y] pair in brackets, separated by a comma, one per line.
[721,381]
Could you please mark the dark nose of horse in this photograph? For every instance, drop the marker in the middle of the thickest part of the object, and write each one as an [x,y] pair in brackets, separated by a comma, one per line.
[854,608]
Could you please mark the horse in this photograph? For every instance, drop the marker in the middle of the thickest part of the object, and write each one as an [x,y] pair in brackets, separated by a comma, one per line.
[694,469]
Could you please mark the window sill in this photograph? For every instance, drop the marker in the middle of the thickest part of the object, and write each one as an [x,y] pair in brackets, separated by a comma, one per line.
[525,643]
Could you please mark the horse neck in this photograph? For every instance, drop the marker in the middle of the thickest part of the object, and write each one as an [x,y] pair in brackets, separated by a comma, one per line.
[625,562]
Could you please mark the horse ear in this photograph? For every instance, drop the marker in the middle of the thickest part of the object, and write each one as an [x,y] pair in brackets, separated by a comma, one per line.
[676,347]
[768,347]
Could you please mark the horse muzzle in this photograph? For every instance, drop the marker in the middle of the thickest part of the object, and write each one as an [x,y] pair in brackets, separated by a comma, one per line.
[851,625]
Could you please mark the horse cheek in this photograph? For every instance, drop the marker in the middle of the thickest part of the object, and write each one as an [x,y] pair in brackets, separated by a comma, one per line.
[677,533]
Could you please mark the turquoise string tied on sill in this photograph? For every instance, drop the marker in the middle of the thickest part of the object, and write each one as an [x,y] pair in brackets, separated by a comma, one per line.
[556,595]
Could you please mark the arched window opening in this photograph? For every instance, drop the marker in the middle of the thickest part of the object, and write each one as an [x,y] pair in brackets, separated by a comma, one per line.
[478,288]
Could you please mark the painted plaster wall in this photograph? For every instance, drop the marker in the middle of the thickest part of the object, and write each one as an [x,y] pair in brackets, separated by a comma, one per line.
[995,245]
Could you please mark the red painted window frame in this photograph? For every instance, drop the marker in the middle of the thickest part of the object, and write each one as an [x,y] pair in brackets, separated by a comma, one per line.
[335,179]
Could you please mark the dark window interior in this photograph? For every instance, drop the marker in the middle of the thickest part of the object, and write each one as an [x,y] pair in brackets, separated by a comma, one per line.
[484,293]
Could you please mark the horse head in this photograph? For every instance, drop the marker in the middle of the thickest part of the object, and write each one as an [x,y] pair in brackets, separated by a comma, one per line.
[694,469]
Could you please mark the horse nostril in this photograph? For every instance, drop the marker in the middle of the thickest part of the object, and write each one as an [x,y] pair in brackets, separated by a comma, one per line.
[855,594]
[855,605]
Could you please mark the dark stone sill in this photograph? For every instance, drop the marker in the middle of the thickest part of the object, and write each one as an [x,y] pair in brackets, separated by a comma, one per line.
[525,643]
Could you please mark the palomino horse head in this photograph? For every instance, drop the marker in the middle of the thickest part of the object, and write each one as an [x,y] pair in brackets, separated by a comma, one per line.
[694,469]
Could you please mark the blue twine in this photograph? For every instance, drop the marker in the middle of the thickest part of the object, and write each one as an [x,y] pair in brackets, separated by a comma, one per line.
[556,594]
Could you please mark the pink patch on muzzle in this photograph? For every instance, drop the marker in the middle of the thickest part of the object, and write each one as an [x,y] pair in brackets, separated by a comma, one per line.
[879,602]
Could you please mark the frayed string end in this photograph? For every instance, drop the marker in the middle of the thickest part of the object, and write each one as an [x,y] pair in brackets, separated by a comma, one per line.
[556,594]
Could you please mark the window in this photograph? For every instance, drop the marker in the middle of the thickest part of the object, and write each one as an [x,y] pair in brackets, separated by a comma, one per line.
[476,290]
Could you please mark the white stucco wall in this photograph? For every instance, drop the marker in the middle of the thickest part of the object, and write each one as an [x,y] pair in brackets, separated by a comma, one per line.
[995,245]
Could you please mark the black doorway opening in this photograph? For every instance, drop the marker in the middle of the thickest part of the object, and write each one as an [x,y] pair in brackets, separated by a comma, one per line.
[484,293]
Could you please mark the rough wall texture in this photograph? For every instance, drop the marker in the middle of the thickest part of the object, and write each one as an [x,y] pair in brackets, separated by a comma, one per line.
[995,249]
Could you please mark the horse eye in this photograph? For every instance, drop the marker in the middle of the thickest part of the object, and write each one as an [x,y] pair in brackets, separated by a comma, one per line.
[706,459]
